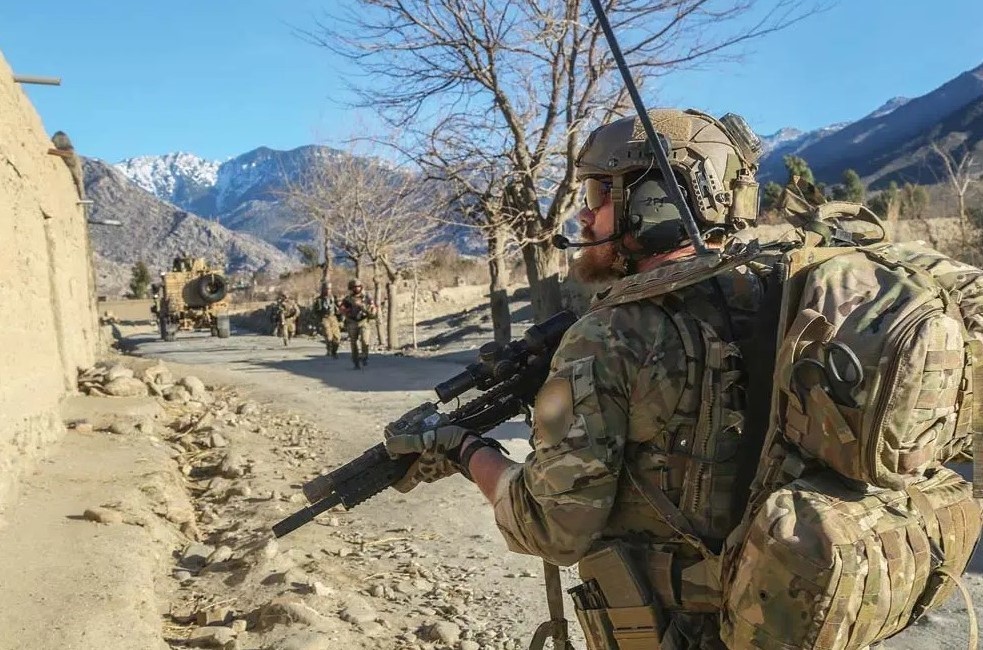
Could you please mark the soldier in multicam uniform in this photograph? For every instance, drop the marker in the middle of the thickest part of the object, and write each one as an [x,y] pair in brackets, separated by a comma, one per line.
[358,308]
[620,408]
[326,309]
[644,445]
[289,309]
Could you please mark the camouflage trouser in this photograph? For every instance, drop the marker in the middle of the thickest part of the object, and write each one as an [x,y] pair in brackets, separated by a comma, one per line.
[332,334]
[358,332]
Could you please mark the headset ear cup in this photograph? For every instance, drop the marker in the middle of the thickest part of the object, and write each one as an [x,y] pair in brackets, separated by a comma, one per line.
[658,225]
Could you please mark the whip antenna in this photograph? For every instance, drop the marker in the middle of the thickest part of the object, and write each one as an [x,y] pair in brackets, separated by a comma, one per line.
[655,142]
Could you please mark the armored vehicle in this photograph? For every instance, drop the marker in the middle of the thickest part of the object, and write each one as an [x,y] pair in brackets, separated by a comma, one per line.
[193,295]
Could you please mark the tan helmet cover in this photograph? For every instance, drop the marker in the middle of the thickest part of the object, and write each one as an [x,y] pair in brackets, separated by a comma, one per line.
[715,159]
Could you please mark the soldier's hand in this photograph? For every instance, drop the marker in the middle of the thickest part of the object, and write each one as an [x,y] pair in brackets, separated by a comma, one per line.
[439,453]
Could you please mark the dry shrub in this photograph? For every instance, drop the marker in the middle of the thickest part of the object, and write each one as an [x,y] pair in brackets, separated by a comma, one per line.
[444,266]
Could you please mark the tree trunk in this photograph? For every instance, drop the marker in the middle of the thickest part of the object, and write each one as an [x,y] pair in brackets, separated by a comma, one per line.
[498,271]
[416,290]
[378,303]
[326,269]
[358,267]
[391,335]
[962,216]
[542,270]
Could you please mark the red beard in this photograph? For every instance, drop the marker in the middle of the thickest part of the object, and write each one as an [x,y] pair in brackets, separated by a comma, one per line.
[596,263]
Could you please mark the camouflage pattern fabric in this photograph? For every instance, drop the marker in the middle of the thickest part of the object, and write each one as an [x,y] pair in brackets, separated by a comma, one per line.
[359,338]
[827,567]
[629,387]
[908,338]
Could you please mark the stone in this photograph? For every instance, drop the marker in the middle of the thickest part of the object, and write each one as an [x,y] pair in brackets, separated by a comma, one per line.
[123,428]
[125,387]
[195,386]
[158,374]
[470,645]
[286,610]
[270,549]
[118,372]
[103,515]
[377,590]
[238,626]
[177,394]
[239,490]
[214,616]
[440,631]
[247,408]
[357,611]
[216,440]
[320,589]
[183,576]
[212,637]
[233,465]
[195,556]
[221,554]
[83,427]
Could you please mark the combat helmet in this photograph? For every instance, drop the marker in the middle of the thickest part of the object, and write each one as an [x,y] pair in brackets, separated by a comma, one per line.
[714,163]
[354,282]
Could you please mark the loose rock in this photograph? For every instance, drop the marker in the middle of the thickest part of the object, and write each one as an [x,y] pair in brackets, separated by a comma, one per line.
[195,386]
[103,515]
[221,554]
[440,631]
[212,637]
[118,372]
[125,387]
[195,556]
[215,616]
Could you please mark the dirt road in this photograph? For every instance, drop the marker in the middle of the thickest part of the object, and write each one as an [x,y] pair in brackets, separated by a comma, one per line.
[411,551]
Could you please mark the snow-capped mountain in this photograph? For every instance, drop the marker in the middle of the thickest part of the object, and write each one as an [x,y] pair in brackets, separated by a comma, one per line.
[889,106]
[891,142]
[179,178]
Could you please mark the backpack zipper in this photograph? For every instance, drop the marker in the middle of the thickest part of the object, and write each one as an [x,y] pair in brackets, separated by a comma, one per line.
[868,459]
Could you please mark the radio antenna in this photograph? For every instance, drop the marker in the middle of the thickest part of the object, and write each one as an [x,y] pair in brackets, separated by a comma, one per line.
[655,142]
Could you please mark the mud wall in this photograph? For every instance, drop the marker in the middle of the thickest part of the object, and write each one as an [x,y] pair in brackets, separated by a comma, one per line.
[48,325]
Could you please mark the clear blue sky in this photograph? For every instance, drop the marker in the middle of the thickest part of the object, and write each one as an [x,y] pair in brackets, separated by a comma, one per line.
[221,77]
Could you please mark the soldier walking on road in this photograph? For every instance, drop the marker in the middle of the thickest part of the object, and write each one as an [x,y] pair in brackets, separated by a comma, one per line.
[326,309]
[358,308]
[288,312]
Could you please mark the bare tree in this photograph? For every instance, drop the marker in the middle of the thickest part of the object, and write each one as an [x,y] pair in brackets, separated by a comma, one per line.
[958,169]
[515,83]
[369,211]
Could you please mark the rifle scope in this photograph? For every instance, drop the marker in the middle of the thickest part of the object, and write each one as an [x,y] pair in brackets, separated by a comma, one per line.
[497,363]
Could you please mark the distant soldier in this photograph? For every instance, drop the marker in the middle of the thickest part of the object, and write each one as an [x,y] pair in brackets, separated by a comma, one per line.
[326,309]
[287,312]
[357,308]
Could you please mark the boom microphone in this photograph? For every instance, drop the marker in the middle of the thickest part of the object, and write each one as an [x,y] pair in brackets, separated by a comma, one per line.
[561,242]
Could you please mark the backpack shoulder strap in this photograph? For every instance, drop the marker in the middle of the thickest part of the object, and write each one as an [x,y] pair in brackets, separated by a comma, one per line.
[672,277]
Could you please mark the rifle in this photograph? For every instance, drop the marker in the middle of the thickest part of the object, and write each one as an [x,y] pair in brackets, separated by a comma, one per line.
[509,377]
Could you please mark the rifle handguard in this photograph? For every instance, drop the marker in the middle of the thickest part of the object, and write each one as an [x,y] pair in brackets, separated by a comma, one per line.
[480,442]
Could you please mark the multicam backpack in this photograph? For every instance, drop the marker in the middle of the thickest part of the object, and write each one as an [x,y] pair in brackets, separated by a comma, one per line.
[854,528]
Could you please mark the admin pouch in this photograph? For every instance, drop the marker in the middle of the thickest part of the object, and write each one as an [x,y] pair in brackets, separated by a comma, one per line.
[824,566]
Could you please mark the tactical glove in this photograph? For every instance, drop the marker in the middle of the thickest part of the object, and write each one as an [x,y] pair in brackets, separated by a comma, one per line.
[439,451]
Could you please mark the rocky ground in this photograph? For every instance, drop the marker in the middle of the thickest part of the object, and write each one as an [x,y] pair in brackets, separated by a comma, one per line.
[150,526]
